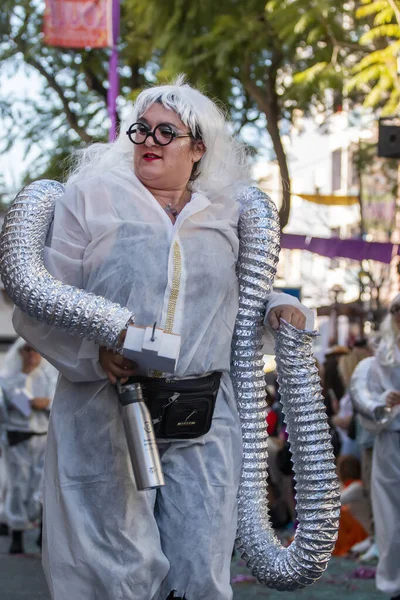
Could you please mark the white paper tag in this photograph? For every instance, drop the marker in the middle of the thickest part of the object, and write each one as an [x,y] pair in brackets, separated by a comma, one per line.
[21,400]
[152,348]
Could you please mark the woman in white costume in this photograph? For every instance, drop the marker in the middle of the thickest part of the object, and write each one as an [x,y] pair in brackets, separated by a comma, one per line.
[150,222]
[385,482]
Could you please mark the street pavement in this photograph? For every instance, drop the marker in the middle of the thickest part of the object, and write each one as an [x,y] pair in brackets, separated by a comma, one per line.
[21,578]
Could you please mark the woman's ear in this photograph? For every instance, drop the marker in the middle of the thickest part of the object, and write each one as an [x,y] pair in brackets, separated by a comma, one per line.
[198,150]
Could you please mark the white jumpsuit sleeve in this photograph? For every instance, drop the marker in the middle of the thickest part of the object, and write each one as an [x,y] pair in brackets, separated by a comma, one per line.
[75,358]
[378,391]
[277,299]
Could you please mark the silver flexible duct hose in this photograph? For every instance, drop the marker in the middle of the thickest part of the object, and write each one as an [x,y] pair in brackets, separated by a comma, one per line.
[40,295]
[317,490]
[33,289]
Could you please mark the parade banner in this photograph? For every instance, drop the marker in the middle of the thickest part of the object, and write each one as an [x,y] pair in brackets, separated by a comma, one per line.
[78,23]
[87,23]
[330,200]
[338,248]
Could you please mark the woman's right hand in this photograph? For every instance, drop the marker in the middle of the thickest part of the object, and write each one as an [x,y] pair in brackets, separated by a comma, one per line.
[116,366]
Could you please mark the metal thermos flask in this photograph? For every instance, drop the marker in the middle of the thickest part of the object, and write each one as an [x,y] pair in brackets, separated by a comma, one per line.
[140,436]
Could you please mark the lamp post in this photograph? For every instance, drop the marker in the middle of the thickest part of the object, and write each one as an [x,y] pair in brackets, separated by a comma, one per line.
[365,297]
[337,291]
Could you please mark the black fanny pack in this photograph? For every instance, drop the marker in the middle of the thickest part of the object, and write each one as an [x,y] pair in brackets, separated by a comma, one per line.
[180,408]
[17,437]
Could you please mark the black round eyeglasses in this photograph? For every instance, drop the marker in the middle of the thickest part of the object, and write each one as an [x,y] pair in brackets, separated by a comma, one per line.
[162,134]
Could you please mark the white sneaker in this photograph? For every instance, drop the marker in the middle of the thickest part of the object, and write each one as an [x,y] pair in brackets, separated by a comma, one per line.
[361,547]
[370,555]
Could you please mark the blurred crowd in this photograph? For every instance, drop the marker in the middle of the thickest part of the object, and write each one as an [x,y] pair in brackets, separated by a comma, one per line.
[353,446]
[367,452]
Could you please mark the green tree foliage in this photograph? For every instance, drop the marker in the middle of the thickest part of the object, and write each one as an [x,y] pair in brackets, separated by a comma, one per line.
[324,44]
[247,54]
[262,60]
[377,74]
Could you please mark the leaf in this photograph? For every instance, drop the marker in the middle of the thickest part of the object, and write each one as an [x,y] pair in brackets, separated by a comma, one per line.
[383,56]
[381,31]
[374,97]
[309,75]
[392,106]
[302,24]
[371,8]
[386,15]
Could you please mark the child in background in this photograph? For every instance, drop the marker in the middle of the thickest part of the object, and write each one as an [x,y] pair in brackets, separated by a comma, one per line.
[355,523]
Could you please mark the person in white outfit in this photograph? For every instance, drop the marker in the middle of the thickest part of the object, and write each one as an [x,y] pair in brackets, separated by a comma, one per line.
[150,222]
[3,469]
[28,386]
[384,385]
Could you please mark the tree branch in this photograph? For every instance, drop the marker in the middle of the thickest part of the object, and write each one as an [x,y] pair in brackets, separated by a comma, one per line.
[268,102]
[94,83]
[71,116]
[51,80]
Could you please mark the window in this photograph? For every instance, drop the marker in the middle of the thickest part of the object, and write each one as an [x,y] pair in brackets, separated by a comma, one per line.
[336,170]
[352,176]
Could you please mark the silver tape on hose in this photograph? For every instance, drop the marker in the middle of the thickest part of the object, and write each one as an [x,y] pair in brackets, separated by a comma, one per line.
[317,490]
[30,285]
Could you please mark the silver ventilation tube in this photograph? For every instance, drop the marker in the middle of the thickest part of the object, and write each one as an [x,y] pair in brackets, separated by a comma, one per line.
[36,292]
[317,490]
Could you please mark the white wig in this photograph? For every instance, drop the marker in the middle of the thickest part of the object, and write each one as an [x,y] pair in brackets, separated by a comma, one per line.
[224,163]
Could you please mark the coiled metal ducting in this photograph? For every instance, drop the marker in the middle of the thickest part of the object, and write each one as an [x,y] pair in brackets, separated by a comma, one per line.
[317,490]
[30,285]
[39,294]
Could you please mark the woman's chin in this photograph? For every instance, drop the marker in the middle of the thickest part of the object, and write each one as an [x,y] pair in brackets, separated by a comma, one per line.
[149,172]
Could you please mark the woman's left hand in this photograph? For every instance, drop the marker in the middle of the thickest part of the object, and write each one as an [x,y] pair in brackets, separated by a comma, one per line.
[393,399]
[290,314]
[40,403]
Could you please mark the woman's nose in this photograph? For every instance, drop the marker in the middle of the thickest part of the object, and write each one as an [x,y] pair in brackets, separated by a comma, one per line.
[150,141]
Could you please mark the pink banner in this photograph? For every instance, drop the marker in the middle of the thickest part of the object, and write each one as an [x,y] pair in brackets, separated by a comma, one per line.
[87,23]
[78,23]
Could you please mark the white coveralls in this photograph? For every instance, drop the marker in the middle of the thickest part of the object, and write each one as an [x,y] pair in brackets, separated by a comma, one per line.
[25,460]
[3,468]
[385,480]
[103,540]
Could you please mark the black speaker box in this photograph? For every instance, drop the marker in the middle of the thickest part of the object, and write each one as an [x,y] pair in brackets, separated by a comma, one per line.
[389,138]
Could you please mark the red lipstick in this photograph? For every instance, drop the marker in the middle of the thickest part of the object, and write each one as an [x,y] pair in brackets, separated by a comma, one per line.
[150,156]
